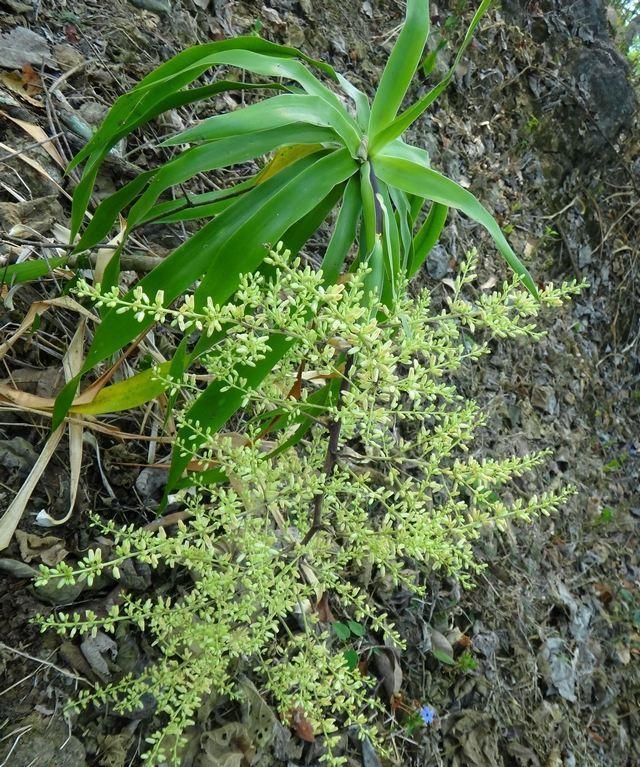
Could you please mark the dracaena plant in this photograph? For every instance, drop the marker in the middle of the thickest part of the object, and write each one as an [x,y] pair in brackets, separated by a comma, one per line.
[334,149]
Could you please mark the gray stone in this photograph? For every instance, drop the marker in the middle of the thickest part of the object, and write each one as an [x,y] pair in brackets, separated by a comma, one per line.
[150,483]
[586,18]
[438,263]
[21,46]
[544,398]
[602,80]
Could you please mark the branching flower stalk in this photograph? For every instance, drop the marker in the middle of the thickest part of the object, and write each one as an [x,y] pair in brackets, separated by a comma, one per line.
[363,479]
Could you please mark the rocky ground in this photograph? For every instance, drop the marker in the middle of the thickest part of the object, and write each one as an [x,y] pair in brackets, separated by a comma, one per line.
[540,123]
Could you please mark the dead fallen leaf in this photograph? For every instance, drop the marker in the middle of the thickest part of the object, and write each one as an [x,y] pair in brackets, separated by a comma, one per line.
[323,609]
[387,665]
[34,164]
[17,569]
[37,133]
[47,549]
[441,648]
[604,593]
[15,83]
[301,725]
[95,650]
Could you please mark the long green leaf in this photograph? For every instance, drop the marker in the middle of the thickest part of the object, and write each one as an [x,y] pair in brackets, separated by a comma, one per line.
[401,67]
[410,115]
[427,236]
[174,276]
[194,206]
[138,105]
[404,223]
[287,68]
[127,394]
[120,121]
[427,183]
[245,247]
[402,151]
[236,238]
[344,233]
[371,223]
[219,402]
[214,406]
[107,212]
[390,244]
[186,59]
[187,264]
[15,274]
[363,108]
[225,152]
[270,114]
[294,238]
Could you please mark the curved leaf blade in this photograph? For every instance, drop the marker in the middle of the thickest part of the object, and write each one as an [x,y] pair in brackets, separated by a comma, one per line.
[428,235]
[427,183]
[401,67]
[272,113]
[290,204]
[344,233]
[222,153]
[410,115]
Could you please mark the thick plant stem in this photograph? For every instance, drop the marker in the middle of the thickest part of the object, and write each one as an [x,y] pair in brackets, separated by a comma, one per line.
[331,457]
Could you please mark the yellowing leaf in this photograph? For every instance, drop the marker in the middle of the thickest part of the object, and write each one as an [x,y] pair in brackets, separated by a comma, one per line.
[285,157]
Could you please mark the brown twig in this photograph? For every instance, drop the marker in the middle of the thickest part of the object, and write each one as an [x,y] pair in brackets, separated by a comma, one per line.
[134,262]
[331,457]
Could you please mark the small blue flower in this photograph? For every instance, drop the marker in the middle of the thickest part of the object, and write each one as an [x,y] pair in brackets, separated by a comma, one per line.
[427,714]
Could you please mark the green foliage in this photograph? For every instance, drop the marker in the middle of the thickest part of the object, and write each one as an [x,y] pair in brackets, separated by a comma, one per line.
[349,465]
[394,494]
[327,156]
[467,662]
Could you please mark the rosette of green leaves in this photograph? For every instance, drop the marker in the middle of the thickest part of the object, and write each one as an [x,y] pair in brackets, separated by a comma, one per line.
[334,149]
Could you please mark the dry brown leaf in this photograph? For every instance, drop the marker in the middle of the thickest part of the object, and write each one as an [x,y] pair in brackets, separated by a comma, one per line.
[11,517]
[323,609]
[38,134]
[15,83]
[34,164]
[301,725]
[72,363]
[47,549]
[388,667]
[37,309]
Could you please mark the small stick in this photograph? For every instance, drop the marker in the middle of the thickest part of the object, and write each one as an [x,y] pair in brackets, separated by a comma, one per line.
[331,457]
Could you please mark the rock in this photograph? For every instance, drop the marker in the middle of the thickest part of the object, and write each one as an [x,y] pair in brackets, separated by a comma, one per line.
[544,398]
[150,483]
[155,6]
[295,35]
[47,742]
[602,80]
[587,19]
[556,669]
[39,214]
[21,46]
[67,56]
[18,454]
[306,7]
[438,263]
[93,112]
